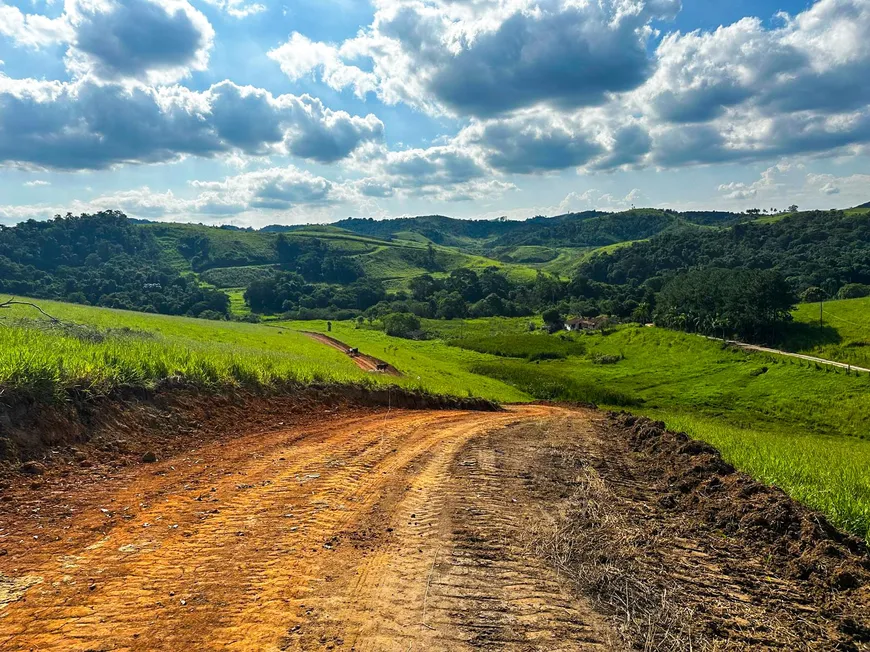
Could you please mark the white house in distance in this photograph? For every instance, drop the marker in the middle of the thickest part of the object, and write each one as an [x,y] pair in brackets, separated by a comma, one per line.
[582,324]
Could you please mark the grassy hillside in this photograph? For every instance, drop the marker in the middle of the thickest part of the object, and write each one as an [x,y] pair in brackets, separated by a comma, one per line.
[844,335]
[432,364]
[195,247]
[233,258]
[96,350]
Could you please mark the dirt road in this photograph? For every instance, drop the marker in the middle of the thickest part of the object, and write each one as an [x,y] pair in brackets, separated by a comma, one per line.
[402,530]
[363,361]
[341,535]
[800,356]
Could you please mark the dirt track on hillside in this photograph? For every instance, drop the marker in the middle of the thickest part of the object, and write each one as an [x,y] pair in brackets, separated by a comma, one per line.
[362,360]
[401,530]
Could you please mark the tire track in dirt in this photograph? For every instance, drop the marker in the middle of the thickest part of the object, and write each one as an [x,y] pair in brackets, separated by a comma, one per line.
[455,575]
[536,528]
[244,544]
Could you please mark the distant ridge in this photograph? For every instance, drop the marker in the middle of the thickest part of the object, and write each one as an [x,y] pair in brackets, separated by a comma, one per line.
[867,205]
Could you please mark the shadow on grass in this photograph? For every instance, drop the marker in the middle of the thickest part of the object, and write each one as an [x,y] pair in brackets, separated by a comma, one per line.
[799,336]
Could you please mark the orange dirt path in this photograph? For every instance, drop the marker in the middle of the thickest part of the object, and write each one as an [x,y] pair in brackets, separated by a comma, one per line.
[363,361]
[332,536]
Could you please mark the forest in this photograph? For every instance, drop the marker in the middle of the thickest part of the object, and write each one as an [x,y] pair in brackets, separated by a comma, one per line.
[692,273]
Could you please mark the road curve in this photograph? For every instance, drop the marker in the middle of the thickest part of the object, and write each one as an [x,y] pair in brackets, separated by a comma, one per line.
[379,532]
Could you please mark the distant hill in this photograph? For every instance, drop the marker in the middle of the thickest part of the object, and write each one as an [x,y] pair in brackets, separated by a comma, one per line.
[867,205]
[437,229]
[586,229]
[828,249]
[110,260]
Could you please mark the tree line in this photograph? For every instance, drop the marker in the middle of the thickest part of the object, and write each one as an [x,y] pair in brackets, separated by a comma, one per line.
[103,260]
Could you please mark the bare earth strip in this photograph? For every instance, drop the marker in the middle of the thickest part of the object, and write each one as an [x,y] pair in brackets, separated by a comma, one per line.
[402,530]
[362,360]
[280,541]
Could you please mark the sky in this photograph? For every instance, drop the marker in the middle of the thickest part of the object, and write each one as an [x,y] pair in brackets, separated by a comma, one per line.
[255,112]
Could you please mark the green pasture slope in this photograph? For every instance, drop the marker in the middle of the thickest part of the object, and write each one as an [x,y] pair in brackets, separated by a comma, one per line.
[97,350]
[844,334]
[234,258]
[434,364]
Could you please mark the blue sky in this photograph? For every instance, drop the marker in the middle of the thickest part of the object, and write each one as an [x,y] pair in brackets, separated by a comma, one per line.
[253,112]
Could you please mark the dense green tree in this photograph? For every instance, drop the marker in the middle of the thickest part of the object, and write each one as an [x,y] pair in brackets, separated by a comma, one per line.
[401,324]
[853,291]
[824,249]
[465,283]
[553,320]
[752,305]
[102,259]
[452,306]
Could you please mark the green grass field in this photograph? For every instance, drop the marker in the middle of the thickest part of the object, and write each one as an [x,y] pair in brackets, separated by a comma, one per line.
[528,346]
[120,348]
[844,336]
[96,350]
[431,364]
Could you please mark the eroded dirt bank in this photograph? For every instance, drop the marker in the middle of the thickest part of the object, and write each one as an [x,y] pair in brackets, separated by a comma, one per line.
[121,427]
[537,528]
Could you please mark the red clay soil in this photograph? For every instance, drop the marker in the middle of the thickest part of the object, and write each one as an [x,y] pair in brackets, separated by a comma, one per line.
[363,361]
[347,528]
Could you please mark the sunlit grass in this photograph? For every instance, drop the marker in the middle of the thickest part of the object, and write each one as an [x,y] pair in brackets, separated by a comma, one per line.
[120,348]
[430,364]
[847,321]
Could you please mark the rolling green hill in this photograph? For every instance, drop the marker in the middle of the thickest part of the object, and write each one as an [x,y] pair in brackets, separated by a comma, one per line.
[621,260]
[837,330]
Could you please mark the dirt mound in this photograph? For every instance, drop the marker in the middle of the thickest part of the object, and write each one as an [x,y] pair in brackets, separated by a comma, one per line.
[692,481]
[802,541]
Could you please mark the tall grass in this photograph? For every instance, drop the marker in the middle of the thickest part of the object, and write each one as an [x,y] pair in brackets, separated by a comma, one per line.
[546,383]
[528,346]
[46,364]
[114,348]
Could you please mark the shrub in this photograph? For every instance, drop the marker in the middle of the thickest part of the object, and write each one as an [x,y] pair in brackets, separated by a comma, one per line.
[854,291]
[600,358]
[527,346]
[402,324]
[553,320]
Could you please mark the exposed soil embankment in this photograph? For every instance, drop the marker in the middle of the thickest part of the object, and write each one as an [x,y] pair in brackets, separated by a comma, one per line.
[131,422]
[685,552]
